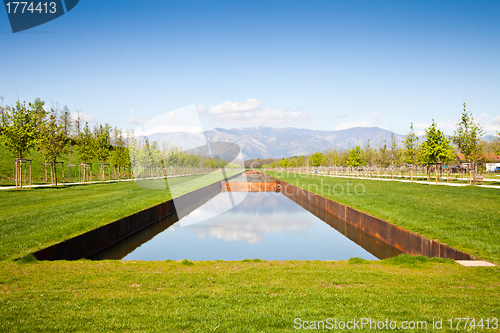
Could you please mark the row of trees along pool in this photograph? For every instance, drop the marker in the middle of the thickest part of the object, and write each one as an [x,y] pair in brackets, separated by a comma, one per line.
[46,143]
[432,156]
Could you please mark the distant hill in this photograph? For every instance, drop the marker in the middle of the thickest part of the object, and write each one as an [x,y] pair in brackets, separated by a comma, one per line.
[263,142]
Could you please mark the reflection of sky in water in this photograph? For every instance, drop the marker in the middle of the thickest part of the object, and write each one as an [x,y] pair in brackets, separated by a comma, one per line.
[265,225]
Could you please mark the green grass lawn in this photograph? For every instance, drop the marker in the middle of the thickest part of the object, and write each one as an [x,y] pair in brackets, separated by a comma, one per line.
[244,296]
[34,219]
[466,218]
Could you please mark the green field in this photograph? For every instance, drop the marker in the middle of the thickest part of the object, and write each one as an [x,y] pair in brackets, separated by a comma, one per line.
[37,218]
[466,218]
[245,296]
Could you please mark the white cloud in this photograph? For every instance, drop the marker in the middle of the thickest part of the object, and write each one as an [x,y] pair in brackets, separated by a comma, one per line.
[342,115]
[482,116]
[421,125]
[84,118]
[135,120]
[183,120]
[252,112]
[492,125]
[446,124]
[371,122]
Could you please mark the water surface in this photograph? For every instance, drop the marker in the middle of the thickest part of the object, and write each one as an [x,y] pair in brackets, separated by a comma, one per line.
[265,225]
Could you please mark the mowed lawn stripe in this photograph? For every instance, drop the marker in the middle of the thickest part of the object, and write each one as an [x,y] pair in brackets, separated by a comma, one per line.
[241,296]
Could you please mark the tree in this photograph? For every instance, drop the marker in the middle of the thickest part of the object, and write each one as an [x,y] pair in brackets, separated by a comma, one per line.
[497,144]
[2,113]
[410,152]
[19,129]
[102,145]
[301,161]
[78,117]
[85,145]
[382,158]
[436,148]
[355,157]
[467,137]
[20,125]
[119,155]
[369,154]
[317,159]
[52,143]
[394,154]
[65,121]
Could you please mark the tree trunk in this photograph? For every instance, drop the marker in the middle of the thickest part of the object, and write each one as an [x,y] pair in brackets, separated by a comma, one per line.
[51,174]
[55,173]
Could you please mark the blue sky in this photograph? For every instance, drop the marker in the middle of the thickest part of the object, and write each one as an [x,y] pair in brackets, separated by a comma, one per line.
[321,65]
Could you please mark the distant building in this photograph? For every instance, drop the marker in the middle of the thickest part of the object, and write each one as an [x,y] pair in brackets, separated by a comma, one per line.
[489,158]
[492,166]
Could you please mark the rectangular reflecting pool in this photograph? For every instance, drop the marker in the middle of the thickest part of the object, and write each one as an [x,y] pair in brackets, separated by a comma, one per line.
[240,225]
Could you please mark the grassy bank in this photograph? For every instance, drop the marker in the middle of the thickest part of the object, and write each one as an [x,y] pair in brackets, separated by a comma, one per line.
[34,219]
[465,218]
[247,296]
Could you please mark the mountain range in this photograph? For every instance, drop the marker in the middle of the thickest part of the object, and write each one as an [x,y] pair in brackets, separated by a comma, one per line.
[263,142]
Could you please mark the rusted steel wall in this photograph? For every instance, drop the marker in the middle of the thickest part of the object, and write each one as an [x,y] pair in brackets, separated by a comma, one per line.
[95,240]
[401,239]
[250,187]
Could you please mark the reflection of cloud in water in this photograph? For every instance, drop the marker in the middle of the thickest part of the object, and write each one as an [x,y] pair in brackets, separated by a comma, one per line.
[216,206]
[256,214]
[250,229]
[249,203]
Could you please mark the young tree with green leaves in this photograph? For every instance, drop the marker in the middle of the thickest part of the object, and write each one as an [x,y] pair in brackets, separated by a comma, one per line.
[86,148]
[118,158]
[102,146]
[145,159]
[20,127]
[436,148]
[467,137]
[410,153]
[317,159]
[355,157]
[52,143]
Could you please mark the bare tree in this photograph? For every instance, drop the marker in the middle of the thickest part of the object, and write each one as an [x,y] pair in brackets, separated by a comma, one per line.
[78,123]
